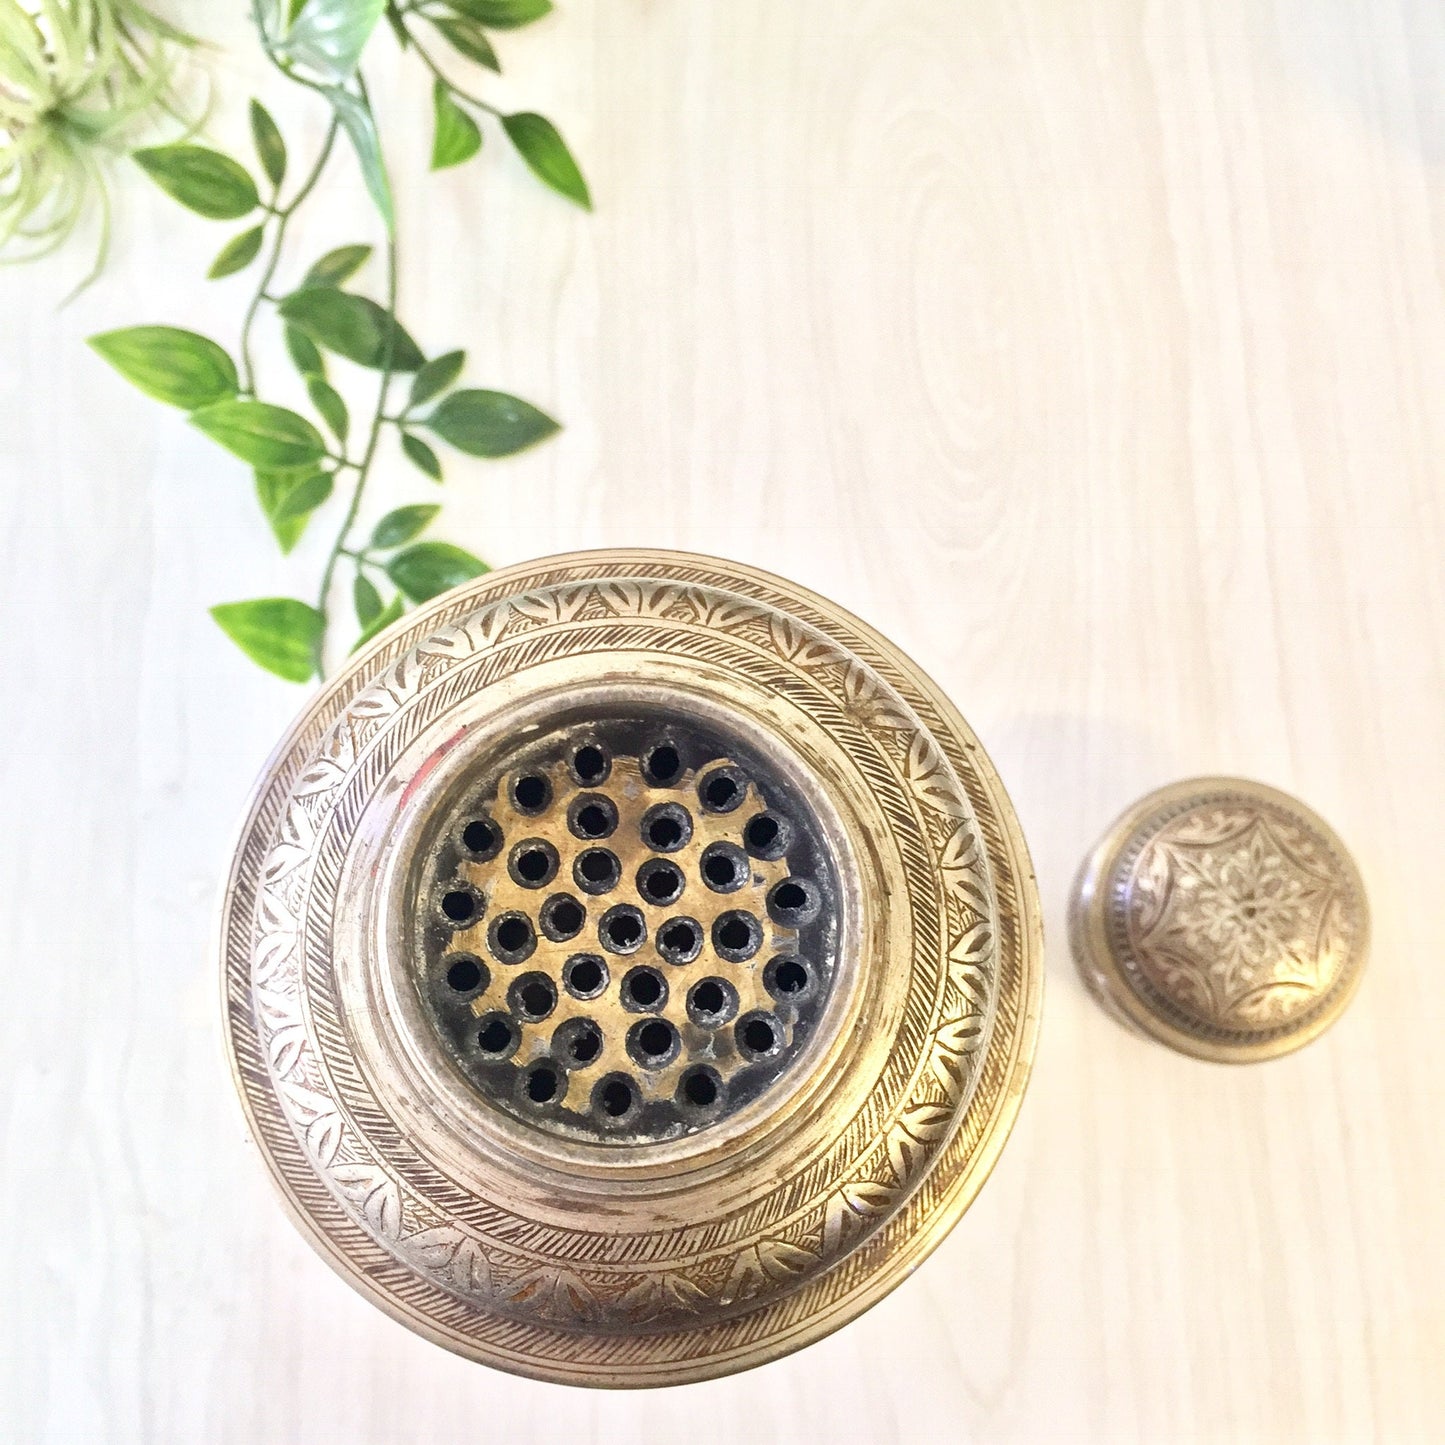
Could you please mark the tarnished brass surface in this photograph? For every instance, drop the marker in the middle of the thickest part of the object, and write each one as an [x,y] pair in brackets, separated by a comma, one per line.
[660,1254]
[1223,918]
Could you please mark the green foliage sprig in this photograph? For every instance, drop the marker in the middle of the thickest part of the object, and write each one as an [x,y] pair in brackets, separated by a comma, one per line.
[300,463]
[79,79]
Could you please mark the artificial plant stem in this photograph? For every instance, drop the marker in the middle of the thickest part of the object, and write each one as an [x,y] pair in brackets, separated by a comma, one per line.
[363,468]
[283,216]
[460,94]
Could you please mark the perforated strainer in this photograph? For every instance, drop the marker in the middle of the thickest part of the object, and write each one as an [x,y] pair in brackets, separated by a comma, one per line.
[632,968]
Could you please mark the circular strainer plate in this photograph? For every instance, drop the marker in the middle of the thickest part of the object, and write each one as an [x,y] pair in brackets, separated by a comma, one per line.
[632,967]
[622,933]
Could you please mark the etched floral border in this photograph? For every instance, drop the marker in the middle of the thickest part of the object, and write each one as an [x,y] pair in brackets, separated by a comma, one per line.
[460,1259]
[921,1130]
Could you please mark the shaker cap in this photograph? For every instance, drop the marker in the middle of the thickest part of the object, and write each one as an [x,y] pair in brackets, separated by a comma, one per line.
[1223,918]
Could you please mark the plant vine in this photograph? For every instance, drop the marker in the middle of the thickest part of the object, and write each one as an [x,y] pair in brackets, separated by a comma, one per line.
[298,465]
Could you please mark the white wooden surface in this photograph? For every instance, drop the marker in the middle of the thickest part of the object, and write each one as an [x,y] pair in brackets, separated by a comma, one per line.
[1095,352]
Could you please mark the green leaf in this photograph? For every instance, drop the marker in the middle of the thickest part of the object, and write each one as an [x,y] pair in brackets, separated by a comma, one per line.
[421,455]
[272,491]
[438,374]
[379,623]
[502,14]
[352,326]
[237,253]
[302,350]
[171,365]
[337,267]
[366,598]
[539,144]
[430,568]
[303,497]
[327,400]
[402,525]
[209,183]
[328,36]
[489,423]
[266,436]
[360,126]
[398,27]
[280,633]
[456,137]
[468,38]
[269,145]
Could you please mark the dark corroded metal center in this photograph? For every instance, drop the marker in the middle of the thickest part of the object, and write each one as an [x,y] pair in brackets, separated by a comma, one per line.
[625,929]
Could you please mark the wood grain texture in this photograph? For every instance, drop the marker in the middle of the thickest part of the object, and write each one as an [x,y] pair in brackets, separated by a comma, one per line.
[1093,352]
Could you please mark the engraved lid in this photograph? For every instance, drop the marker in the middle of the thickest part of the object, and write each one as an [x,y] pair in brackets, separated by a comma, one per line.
[1222,917]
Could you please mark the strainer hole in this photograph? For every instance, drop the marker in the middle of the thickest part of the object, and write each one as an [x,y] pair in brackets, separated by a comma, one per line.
[615,1097]
[622,929]
[700,1088]
[767,836]
[711,1002]
[758,1036]
[737,936]
[660,882]
[679,940]
[592,816]
[531,792]
[562,917]
[482,838]
[590,764]
[655,1037]
[579,1042]
[707,997]
[644,988]
[788,978]
[533,863]
[585,975]
[597,870]
[666,827]
[662,766]
[534,996]
[497,1035]
[794,903]
[725,867]
[460,906]
[510,937]
[466,975]
[722,790]
[652,1043]
[543,1084]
